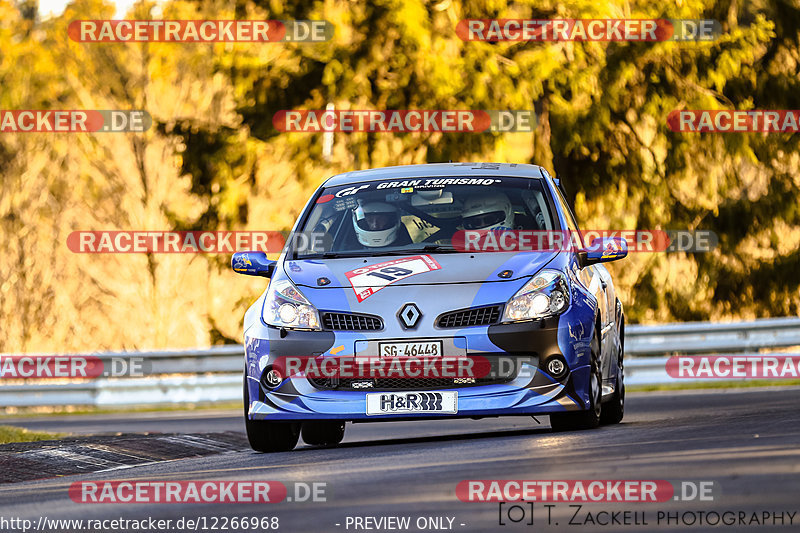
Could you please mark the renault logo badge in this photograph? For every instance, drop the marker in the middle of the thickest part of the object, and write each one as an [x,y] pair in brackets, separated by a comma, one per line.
[409,315]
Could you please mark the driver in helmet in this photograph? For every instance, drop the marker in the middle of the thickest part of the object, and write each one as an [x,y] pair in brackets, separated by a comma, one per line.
[491,211]
[376,224]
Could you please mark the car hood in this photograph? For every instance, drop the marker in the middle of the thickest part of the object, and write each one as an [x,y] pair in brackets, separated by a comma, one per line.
[453,268]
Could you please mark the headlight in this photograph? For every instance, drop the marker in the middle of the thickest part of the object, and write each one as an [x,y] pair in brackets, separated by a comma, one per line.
[546,294]
[286,307]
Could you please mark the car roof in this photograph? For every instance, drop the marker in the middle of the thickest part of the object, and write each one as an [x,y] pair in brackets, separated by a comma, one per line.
[435,170]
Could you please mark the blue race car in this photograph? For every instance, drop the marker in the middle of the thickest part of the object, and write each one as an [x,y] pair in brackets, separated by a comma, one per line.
[414,292]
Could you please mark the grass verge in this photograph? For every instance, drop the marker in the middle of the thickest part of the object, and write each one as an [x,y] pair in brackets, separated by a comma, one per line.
[9,434]
[715,385]
[27,412]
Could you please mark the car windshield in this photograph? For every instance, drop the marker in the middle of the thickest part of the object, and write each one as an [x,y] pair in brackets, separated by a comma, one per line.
[406,215]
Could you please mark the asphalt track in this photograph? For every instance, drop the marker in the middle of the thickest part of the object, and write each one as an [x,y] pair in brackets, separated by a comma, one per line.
[746,441]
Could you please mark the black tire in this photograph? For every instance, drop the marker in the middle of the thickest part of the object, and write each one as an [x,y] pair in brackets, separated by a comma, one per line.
[269,436]
[614,409]
[589,418]
[324,433]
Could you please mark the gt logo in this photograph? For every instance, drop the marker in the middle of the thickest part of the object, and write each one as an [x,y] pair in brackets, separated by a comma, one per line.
[420,401]
[350,190]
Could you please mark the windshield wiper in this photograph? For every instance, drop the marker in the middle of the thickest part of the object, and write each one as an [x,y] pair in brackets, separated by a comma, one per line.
[438,248]
[331,255]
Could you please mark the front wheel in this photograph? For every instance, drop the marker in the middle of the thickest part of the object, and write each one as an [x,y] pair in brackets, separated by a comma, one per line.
[614,409]
[590,418]
[269,436]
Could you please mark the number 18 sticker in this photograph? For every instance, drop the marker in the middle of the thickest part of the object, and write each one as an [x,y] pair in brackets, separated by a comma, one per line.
[368,280]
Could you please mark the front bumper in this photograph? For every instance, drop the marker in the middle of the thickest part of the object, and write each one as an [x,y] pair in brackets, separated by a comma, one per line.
[531,392]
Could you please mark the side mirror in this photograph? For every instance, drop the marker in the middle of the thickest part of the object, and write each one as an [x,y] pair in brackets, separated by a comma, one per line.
[253,264]
[603,250]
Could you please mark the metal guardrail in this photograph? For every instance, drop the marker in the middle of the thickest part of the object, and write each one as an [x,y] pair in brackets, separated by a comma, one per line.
[156,390]
[215,374]
[709,337]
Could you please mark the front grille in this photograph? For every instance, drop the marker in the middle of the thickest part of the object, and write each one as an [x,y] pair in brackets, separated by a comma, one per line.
[497,375]
[477,316]
[382,384]
[351,322]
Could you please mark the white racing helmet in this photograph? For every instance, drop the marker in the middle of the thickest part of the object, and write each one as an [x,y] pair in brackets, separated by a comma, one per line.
[376,224]
[489,211]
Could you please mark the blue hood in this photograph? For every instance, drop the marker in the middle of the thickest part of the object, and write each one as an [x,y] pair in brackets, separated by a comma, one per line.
[456,268]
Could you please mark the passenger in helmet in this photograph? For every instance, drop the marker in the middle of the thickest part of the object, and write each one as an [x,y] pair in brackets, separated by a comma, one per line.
[376,224]
[489,211]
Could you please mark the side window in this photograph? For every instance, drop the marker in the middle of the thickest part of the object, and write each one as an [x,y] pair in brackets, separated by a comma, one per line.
[573,226]
[575,232]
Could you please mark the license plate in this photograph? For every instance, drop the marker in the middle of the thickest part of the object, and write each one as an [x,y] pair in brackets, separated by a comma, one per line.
[389,403]
[410,349]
